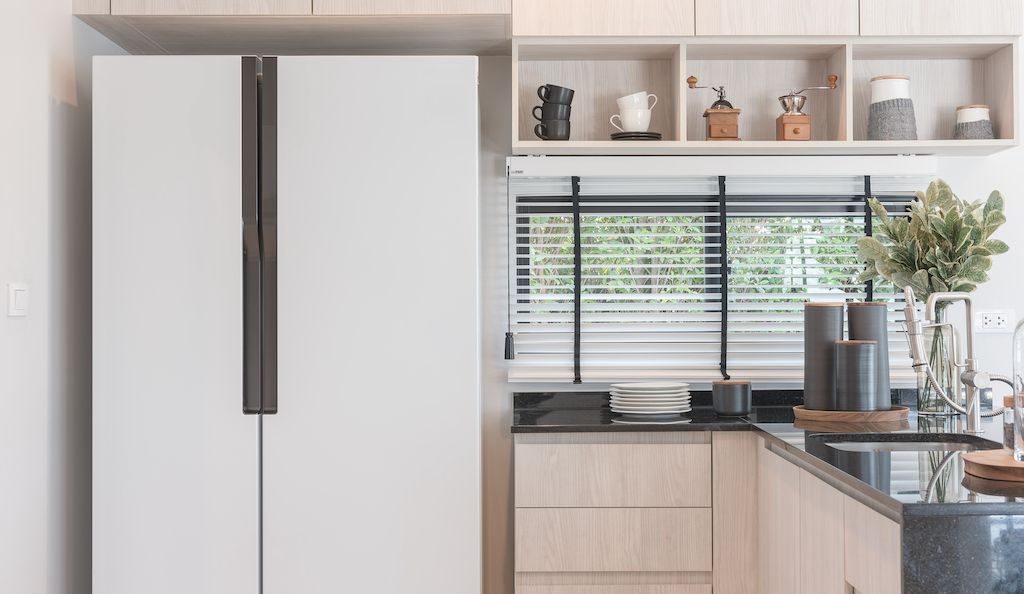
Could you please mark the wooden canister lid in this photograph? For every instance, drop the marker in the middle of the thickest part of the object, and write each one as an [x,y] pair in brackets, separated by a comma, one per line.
[974,106]
[891,77]
[1008,401]
[824,304]
[866,304]
[731,383]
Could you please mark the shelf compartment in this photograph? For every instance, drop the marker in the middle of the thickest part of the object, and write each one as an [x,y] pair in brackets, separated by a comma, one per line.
[755,75]
[942,77]
[600,72]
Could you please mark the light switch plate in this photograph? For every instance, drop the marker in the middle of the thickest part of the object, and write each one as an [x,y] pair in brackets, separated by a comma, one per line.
[17,300]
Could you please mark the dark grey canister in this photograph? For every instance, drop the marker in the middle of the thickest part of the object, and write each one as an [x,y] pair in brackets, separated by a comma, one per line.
[856,375]
[869,321]
[823,326]
[731,398]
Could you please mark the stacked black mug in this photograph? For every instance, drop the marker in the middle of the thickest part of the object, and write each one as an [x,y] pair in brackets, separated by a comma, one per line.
[553,113]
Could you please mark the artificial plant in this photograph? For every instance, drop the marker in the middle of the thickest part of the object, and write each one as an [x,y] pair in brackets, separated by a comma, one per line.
[944,245]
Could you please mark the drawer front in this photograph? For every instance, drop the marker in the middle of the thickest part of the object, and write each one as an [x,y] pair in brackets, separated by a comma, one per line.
[940,17]
[602,17]
[613,475]
[723,131]
[797,131]
[595,539]
[776,17]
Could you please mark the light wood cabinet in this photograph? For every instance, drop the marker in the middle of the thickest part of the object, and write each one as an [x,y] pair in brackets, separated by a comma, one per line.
[410,7]
[821,537]
[776,17]
[613,475]
[613,513]
[940,17]
[778,487]
[735,511]
[873,556]
[609,539]
[86,7]
[211,7]
[602,17]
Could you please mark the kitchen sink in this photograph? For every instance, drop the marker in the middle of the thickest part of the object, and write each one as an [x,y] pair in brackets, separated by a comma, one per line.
[905,442]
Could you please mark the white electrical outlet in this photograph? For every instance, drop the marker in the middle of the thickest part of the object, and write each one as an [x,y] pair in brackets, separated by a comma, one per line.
[995,320]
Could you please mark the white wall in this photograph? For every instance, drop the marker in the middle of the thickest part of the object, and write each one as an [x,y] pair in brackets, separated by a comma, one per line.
[972,178]
[44,241]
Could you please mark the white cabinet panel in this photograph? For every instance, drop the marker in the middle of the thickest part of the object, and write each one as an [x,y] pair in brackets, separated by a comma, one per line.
[175,463]
[372,464]
[940,17]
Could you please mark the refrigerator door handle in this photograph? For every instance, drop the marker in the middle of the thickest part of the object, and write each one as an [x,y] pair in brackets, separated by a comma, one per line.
[268,231]
[251,261]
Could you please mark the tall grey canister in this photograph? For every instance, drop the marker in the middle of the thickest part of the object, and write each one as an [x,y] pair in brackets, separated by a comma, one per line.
[856,374]
[823,326]
[869,321]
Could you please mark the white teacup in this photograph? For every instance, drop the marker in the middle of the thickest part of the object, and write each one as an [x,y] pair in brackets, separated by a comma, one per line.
[641,100]
[632,120]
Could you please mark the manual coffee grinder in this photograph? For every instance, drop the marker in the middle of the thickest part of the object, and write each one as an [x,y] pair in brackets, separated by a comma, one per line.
[723,120]
[794,124]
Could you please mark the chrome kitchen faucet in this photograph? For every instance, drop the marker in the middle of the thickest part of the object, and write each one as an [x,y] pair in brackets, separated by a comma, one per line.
[973,381]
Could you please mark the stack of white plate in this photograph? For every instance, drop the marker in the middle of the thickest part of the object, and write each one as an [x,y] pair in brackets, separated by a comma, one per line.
[651,398]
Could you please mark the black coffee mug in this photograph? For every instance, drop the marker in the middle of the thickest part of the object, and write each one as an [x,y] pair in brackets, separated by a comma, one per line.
[555,94]
[552,130]
[552,111]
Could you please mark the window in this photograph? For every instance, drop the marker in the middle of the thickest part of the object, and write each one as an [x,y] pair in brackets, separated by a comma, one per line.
[654,299]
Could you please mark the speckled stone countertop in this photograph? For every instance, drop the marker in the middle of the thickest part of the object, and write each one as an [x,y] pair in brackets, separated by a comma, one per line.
[960,534]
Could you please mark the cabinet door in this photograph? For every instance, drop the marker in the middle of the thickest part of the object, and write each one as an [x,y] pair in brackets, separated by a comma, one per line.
[410,7]
[940,17]
[821,537]
[602,17]
[778,486]
[211,7]
[776,17]
[872,550]
[613,475]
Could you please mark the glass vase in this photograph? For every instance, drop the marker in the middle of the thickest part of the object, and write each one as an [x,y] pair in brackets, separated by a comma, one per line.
[937,344]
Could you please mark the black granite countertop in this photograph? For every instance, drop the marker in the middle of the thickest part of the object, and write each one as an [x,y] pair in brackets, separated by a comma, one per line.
[896,483]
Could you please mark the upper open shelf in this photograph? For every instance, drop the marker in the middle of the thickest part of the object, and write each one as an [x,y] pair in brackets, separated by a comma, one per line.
[945,73]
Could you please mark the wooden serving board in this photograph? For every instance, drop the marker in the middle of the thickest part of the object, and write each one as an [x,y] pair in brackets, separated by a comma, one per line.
[896,413]
[995,465]
[852,426]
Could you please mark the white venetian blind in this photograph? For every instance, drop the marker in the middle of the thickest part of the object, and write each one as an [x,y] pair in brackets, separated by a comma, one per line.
[651,291]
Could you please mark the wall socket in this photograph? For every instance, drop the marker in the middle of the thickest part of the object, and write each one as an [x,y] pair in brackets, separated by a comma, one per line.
[995,320]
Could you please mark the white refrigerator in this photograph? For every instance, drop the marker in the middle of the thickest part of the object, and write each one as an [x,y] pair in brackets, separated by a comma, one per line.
[285,325]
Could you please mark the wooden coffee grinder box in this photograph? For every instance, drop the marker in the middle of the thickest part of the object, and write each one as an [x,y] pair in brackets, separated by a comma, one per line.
[722,119]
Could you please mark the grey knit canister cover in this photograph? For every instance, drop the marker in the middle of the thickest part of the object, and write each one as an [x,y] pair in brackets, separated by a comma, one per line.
[892,119]
[976,130]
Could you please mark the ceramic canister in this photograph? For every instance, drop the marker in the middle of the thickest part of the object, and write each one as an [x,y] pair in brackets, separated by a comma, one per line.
[856,374]
[973,122]
[891,114]
[823,326]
